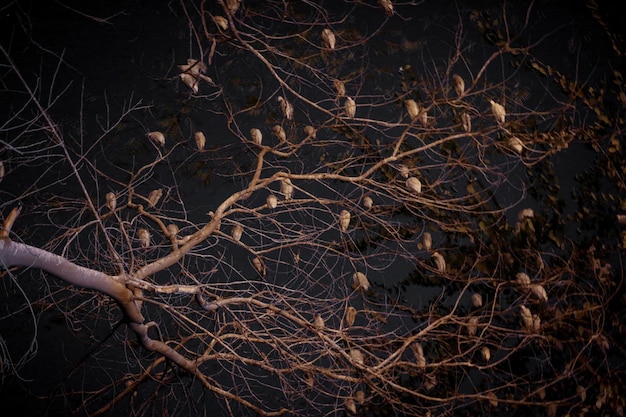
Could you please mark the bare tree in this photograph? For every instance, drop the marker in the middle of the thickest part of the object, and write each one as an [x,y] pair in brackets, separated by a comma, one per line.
[365,261]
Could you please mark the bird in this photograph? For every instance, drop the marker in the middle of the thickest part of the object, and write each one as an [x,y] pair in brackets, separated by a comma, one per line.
[486,353]
[111,201]
[427,241]
[459,84]
[350,405]
[310,131]
[272,201]
[412,108]
[257,136]
[155,196]
[172,229]
[340,87]
[220,22]
[527,317]
[423,116]
[414,185]
[190,81]
[200,140]
[286,188]
[472,326]
[237,232]
[156,137]
[498,111]
[350,107]
[357,356]
[318,322]
[539,292]
[466,121]
[280,133]
[440,262]
[232,5]
[259,266]
[286,107]
[360,281]
[328,38]
[344,220]
[387,6]
[516,144]
[350,316]
[144,237]
[523,280]
[477,300]
[367,202]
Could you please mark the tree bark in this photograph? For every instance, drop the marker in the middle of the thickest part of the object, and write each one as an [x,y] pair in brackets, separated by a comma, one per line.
[14,253]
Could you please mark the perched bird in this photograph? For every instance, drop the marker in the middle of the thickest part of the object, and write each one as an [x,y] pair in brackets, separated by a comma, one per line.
[340,88]
[477,300]
[280,133]
[466,121]
[440,262]
[367,202]
[328,38]
[318,322]
[310,131]
[459,84]
[539,292]
[498,111]
[414,185]
[344,220]
[516,144]
[418,351]
[156,137]
[350,107]
[259,266]
[257,136]
[357,356]
[272,201]
[350,316]
[286,107]
[387,6]
[423,116]
[472,326]
[144,237]
[486,353]
[427,241]
[220,22]
[360,281]
[111,201]
[412,108]
[523,280]
[172,229]
[237,232]
[190,81]
[526,213]
[527,317]
[200,140]
[155,196]
[350,405]
[286,188]
[232,5]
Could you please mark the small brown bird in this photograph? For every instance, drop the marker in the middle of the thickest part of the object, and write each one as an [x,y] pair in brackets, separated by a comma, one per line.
[328,38]
[156,137]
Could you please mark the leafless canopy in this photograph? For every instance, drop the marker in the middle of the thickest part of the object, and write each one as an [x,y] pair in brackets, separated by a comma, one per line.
[343,236]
